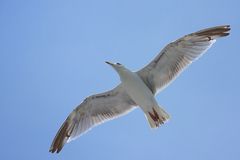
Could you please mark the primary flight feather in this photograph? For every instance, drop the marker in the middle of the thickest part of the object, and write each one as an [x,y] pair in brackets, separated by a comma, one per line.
[138,88]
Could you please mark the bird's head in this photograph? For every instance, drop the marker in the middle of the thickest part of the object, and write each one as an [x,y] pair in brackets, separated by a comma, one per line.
[118,67]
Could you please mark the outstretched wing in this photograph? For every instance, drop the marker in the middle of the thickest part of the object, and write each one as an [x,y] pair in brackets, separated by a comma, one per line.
[92,111]
[176,56]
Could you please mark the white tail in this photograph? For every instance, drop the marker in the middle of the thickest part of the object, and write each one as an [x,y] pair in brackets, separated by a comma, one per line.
[156,116]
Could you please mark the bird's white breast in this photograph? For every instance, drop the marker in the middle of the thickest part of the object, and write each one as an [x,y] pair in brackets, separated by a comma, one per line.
[137,90]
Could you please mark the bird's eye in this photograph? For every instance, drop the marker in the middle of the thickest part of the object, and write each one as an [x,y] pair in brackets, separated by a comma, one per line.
[118,63]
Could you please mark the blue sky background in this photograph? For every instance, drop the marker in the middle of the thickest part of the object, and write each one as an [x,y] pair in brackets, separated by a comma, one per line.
[52,55]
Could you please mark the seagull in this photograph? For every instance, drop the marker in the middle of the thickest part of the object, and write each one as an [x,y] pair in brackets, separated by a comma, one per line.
[138,89]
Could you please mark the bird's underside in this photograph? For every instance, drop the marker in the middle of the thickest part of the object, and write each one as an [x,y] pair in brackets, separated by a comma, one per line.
[164,68]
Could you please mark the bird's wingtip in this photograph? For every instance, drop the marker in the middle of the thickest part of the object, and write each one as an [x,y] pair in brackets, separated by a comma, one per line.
[214,32]
[61,138]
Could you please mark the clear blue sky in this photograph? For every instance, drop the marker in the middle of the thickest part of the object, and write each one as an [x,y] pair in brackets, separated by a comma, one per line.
[52,55]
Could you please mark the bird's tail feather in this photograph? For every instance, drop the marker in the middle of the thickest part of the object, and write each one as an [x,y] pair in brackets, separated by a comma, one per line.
[156,117]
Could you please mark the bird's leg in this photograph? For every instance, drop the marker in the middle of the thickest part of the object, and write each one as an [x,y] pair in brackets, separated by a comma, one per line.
[158,119]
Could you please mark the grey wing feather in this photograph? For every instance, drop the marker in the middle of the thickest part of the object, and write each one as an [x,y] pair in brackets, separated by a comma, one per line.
[176,56]
[93,111]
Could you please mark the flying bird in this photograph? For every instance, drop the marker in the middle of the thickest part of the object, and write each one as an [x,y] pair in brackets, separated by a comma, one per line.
[138,88]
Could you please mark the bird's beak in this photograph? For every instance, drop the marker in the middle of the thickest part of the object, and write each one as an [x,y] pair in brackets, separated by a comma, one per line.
[111,64]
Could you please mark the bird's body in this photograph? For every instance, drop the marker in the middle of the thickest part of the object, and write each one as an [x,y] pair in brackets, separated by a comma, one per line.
[138,88]
[142,96]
